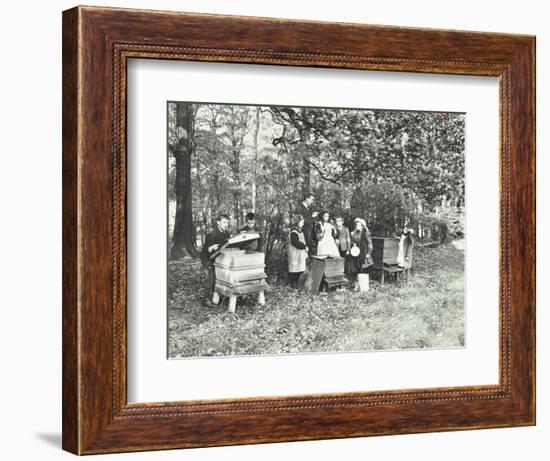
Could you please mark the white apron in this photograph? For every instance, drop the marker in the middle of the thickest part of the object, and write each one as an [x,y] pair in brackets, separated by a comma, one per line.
[296,257]
[327,245]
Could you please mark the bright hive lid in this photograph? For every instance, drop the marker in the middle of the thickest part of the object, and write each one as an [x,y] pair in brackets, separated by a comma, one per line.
[241,238]
[236,240]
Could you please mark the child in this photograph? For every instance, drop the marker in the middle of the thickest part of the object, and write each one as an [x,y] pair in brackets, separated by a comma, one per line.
[343,241]
[325,236]
[297,251]
[406,242]
[343,237]
[214,240]
[250,226]
[360,239]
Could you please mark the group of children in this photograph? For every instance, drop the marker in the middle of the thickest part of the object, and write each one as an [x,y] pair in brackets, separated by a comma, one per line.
[308,236]
[332,239]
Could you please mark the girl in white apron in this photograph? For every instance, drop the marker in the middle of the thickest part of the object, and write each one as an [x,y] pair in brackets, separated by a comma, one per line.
[297,251]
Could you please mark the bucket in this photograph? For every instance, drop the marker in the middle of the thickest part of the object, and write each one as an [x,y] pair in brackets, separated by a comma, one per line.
[363,280]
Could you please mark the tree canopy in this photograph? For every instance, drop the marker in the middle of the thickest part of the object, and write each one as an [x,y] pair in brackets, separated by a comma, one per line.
[384,165]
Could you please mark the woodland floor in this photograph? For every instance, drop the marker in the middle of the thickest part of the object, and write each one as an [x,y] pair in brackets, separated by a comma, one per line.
[426,312]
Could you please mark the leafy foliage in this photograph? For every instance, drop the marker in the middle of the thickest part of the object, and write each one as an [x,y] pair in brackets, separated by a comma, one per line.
[390,167]
[443,224]
[386,206]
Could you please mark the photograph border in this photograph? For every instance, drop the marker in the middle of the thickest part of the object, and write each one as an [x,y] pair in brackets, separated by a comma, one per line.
[97,44]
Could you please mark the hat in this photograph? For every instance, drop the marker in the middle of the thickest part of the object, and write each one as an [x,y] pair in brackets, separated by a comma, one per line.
[361,221]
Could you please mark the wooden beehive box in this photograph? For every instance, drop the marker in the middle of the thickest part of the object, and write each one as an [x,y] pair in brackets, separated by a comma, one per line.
[334,266]
[384,251]
[327,269]
[239,267]
[334,272]
[232,258]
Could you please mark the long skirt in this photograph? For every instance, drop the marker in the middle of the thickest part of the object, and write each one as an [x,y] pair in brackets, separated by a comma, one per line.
[327,246]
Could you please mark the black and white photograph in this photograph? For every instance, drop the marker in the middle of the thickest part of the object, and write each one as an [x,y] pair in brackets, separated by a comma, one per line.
[313,229]
[275,230]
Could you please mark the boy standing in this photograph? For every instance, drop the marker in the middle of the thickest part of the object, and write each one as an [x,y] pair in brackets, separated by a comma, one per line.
[250,226]
[343,242]
[343,237]
[214,240]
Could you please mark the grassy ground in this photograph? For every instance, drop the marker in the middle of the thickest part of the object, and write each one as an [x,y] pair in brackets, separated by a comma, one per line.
[427,312]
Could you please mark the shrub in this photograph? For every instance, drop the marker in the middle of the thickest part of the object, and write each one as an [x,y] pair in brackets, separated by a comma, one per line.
[386,207]
[443,225]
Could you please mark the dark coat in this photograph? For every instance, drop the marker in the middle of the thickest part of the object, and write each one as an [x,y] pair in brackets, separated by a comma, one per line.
[306,213]
[343,239]
[363,240]
[215,236]
[308,228]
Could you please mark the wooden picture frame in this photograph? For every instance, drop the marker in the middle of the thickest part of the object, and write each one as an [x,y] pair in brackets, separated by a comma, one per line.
[97,43]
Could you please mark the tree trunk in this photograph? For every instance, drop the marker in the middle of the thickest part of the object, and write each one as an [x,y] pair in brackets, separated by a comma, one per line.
[182,238]
[306,174]
[217,196]
[305,133]
[215,207]
[237,187]
[237,132]
[255,171]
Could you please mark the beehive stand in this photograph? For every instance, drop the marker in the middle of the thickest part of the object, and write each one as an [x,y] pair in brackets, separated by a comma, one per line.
[233,294]
[384,256]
